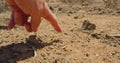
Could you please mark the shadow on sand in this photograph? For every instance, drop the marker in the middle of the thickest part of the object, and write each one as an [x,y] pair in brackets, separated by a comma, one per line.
[21,51]
[4,27]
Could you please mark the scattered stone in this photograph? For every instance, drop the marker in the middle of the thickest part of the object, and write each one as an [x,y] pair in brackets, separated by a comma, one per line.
[97,35]
[65,33]
[88,26]
[76,17]
[116,54]
[51,8]
[87,55]
[56,61]
[71,12]
[112,40]
[34,41]
[59,9]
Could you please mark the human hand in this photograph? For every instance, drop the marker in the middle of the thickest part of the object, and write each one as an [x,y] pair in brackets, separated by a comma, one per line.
[22,9]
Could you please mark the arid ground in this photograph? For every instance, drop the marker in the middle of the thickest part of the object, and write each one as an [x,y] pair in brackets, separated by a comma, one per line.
[79,42]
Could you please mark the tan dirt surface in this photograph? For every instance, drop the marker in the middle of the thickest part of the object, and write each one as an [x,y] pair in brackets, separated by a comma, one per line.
[76,43]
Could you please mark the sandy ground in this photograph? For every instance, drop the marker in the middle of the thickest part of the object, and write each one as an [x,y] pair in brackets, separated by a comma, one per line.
[73,45]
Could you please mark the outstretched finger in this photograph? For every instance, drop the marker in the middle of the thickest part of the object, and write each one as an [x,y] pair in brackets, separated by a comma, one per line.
[47,14]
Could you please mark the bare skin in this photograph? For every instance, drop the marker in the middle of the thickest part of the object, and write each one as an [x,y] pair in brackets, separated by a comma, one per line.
[23,9]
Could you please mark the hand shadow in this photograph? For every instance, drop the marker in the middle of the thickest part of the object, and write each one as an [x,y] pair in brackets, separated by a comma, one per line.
[21,51]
